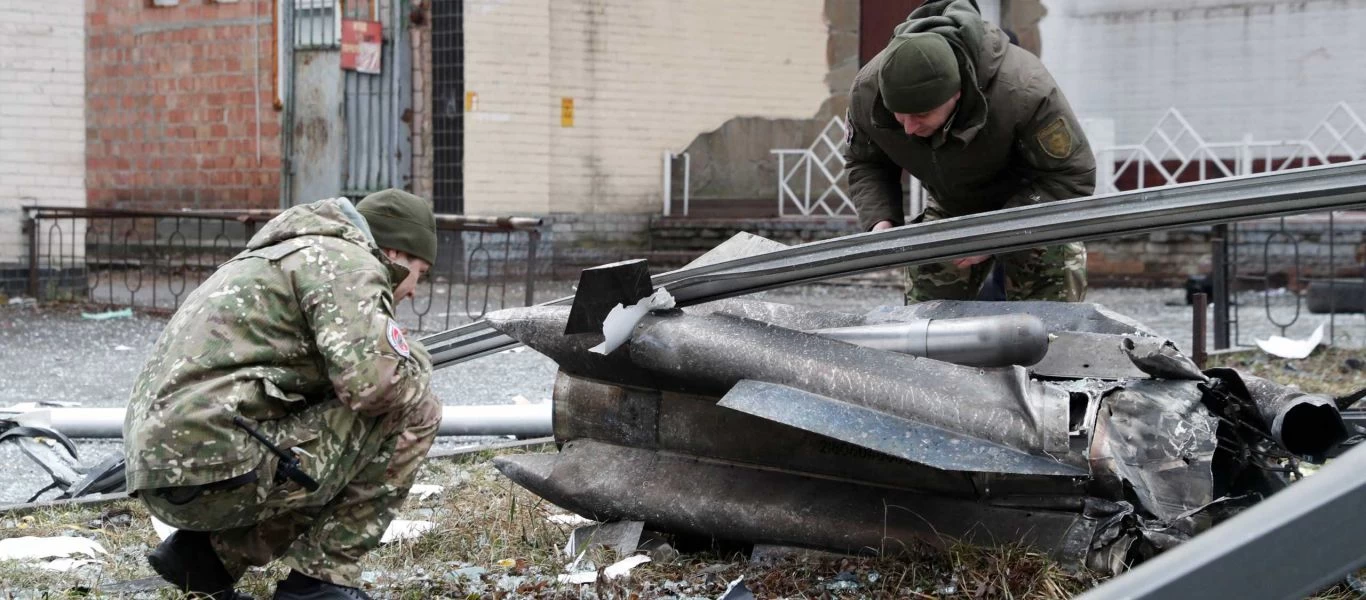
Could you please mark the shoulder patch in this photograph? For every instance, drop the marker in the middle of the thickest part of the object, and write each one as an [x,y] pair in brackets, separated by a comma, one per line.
[396,339]
[1056,139]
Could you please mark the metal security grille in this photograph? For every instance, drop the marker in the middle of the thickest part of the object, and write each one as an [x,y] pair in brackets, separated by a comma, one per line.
[378,141]
[448,105]
[317,24]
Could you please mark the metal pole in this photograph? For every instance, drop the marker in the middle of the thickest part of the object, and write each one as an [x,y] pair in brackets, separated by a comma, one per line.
[1219,263]
[1200,304]
[521,420]
[533,239]
[668,181]
[31,226]
[687,179]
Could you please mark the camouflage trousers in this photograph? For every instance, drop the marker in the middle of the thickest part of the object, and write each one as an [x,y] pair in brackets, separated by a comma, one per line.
[1051,273]
[364,467]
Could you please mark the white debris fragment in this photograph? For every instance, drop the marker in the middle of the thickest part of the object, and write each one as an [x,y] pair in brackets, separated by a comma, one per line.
[1293,349]
[520,399]
[122,348]
[571,520]
[624,566]
[616,328]
[578,577]
[423,491]
[737,591]
[31,547]
[64,565]
[163,530]
[402,529]
[613,571]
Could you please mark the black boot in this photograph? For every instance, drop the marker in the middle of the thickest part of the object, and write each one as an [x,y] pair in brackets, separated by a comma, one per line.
[187,560]
[302,587]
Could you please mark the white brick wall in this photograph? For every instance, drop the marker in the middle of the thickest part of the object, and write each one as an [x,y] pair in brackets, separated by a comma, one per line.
[646,76]
[42,112]
[1272,68]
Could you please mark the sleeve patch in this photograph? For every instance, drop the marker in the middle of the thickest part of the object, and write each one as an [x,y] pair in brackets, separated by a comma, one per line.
[1056,139]
[396,339]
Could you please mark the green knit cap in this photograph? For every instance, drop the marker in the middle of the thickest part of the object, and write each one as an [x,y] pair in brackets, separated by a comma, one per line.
[401,221]
[919,75]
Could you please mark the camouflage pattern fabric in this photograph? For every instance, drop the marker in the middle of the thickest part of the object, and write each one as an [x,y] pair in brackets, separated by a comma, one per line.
[297,335]
[1055,273]
[364,467]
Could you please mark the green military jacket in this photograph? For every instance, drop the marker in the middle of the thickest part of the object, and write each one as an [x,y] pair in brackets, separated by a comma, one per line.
[1012,141]
[304,313]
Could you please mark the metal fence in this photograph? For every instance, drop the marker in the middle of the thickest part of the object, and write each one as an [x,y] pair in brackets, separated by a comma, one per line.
[154,259]
[1269,277]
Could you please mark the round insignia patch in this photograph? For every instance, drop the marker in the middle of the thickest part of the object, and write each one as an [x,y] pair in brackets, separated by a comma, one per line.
[397,340]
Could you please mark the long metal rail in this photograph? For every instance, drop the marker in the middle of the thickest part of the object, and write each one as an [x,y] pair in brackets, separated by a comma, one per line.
[1332,187]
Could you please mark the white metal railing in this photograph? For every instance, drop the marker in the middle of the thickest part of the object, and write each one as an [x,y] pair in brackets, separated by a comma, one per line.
[1174,152]
[812,180]
[669,159]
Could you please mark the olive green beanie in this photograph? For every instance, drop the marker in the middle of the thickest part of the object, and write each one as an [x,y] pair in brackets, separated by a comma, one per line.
[919,75]
[401,221]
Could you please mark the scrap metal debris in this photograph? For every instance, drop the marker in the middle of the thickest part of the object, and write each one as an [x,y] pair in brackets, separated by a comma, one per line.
[28,425]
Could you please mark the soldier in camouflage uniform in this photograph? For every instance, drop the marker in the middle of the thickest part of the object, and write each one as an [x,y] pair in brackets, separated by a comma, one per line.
[297,336]
[983,126]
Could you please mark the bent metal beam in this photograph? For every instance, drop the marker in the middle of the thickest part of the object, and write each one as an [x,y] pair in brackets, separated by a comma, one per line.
[1331,187]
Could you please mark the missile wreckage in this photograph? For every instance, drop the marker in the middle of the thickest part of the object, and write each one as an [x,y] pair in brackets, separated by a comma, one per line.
[766,423]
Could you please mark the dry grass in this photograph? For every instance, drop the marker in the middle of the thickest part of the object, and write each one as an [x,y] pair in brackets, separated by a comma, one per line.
[492,540]
[1330,371]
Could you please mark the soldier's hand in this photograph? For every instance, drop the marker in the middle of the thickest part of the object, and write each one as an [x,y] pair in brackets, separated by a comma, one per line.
[884,224]
[966,262]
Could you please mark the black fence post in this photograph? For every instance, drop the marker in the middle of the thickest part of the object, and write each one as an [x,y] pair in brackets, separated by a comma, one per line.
[1220,264]
[533,238]
[31,227]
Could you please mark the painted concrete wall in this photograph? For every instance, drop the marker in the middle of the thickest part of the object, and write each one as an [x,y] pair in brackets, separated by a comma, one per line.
[645,76]
[1272,68]
[42,114]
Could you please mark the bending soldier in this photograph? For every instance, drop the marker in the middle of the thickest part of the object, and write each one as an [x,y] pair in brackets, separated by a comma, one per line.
[983,126]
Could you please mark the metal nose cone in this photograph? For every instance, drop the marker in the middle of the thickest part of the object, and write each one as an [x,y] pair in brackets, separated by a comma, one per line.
[530,471]
[542,329]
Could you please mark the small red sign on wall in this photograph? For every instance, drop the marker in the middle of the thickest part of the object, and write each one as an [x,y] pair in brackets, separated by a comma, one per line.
[360,45]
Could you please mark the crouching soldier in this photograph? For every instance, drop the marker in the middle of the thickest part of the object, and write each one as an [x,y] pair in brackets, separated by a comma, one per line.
[292,344]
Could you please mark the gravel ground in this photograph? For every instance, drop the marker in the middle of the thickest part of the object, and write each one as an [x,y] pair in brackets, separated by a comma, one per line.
[52,353]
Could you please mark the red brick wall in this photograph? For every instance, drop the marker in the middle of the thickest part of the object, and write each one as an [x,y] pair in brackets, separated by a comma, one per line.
[171,105]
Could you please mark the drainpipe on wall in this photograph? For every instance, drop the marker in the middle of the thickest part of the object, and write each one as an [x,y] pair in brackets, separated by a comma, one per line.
[287,114]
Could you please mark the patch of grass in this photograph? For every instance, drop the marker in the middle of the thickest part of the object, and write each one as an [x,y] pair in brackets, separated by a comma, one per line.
[1329,370]
[492,540]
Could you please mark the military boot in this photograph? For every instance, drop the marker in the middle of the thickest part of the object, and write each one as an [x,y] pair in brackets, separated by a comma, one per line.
[188,561]
[302,587]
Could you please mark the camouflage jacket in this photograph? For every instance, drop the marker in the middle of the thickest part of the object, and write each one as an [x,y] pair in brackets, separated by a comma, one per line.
[305,312]
[1012,141]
